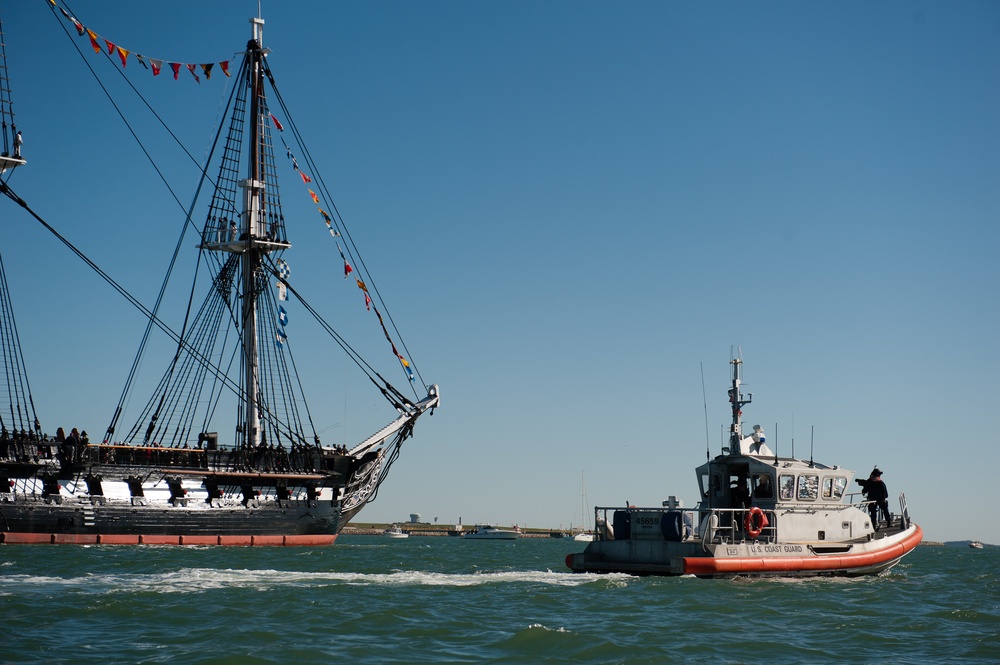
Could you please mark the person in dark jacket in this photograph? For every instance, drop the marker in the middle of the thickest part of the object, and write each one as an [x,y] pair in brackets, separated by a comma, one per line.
[878,494]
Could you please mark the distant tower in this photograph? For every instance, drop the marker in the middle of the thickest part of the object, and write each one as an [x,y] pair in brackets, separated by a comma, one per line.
[414,518]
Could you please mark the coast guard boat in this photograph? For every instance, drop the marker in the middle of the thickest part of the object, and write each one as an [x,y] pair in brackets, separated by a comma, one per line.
[759,515]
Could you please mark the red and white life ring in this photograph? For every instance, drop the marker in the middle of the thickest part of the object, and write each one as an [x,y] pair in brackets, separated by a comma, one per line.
[755,522]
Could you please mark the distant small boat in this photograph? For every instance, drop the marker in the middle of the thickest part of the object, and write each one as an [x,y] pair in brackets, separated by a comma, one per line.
[490,532]
[579,534]
[395,532]
[976,545]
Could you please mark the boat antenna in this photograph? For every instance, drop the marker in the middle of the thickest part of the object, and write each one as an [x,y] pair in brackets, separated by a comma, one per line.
[812,436]
[708,446]
[776,444]
[793,435]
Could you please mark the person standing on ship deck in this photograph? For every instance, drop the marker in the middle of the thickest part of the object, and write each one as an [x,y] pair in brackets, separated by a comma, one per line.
[878,494]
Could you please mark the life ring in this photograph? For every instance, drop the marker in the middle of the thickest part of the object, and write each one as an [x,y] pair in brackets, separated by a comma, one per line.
[751,523]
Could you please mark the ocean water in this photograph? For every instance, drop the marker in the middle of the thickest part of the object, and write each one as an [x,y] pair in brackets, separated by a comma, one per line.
[370,599]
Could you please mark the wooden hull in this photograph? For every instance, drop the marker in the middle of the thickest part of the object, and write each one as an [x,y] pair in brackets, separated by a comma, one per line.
[131,504]
[30,520]
[19,538]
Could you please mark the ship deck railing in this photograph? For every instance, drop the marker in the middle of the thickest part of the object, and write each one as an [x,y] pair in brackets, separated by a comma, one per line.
[126,455]
[48,455]
[262,459]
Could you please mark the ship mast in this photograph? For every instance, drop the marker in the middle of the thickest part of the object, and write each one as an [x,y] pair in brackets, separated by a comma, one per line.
[18,417]
[10,141]
[253,214]
[737,402]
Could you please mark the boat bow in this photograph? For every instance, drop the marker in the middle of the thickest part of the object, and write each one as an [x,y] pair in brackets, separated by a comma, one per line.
[408,416]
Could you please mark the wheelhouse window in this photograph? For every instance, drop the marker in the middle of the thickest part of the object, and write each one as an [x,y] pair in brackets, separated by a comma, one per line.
[808,487]
[786,487]
[717,489]
[833,488]
[762,487]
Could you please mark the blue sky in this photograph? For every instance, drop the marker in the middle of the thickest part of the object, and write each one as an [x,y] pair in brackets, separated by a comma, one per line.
[571,207]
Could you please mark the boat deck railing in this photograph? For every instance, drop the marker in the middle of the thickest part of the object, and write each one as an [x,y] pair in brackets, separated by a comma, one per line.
[714,525]
[858,500]
[718,525]
[729,525]
[725,525]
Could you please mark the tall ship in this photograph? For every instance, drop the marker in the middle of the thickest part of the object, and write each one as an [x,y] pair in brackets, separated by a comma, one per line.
[225,450]
[758,514]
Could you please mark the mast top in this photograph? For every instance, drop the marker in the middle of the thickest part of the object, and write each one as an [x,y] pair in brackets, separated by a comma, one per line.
[754,444]
[258,29]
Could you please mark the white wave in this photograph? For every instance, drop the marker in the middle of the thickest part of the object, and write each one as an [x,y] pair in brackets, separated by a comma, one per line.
[194,580]
[537,626]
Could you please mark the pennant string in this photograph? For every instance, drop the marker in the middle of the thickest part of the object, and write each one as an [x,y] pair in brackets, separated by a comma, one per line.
[123,53]
[156,65]
[306,179]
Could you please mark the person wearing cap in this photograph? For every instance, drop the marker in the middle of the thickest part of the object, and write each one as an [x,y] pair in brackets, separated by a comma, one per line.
[878,495]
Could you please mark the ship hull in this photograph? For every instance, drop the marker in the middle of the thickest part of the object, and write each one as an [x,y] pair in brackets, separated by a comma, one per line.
[110,521]
[44,502]
[85,523]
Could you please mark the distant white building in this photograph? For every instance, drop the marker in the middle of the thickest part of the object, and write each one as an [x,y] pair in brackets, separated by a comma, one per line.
[414,518]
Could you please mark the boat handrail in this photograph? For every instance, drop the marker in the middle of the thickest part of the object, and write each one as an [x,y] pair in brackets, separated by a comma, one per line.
[852,497]
[729,526]
[904,511]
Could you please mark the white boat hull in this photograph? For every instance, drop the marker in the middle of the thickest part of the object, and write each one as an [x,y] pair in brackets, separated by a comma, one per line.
[692,557]
[489,533]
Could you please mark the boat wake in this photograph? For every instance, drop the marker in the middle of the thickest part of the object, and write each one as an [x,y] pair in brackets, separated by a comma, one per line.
[198,580]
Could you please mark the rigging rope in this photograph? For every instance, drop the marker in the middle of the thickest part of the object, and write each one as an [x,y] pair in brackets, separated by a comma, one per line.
[183,344]
[187,218]
[21,405]
[368,282]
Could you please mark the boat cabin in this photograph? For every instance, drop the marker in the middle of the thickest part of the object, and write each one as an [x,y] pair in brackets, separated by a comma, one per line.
[744,481]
